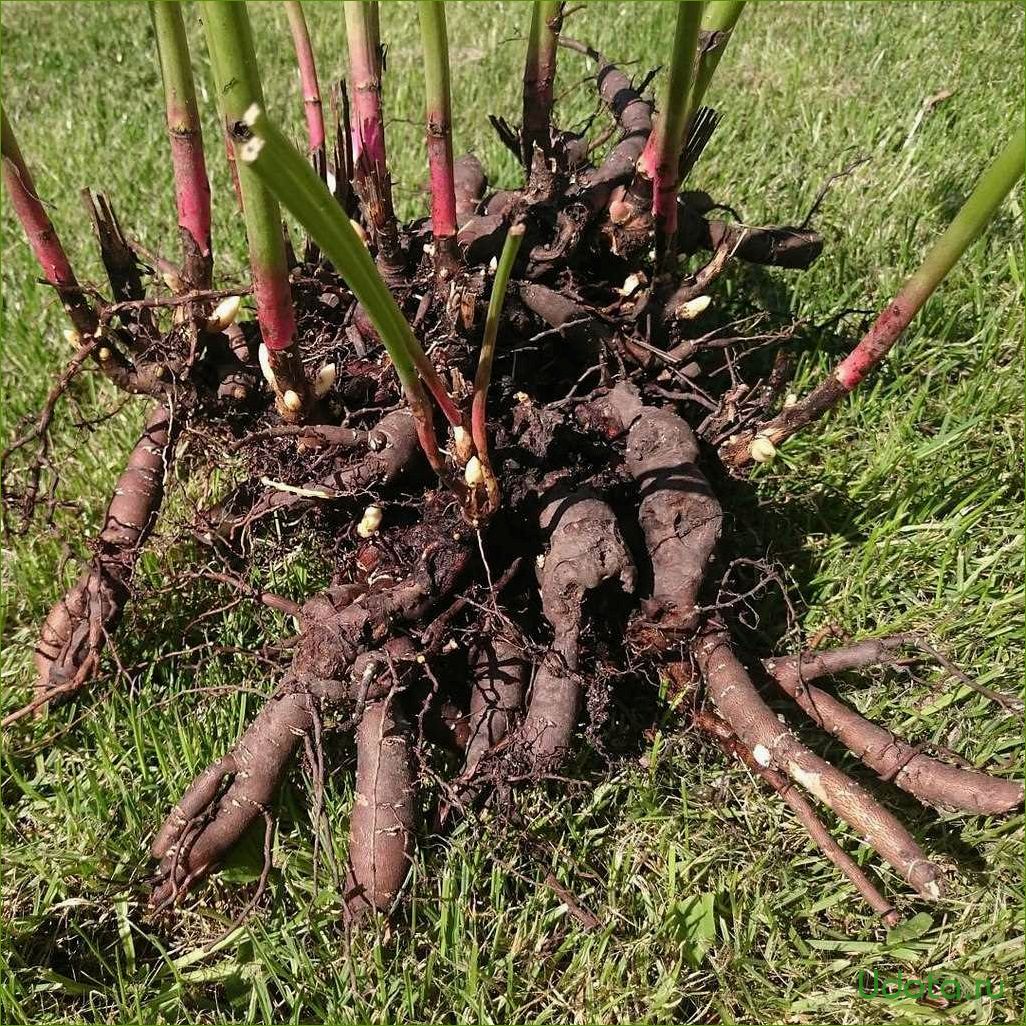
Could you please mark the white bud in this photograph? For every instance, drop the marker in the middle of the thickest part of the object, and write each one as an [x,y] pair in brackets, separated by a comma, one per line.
[462,444]
[360,231]
[324,380]
[224,314]
[370,522]
[762,755]
[72,337]
[473,473]
[265,366]
[291,401]
[762,449]
[693,307]
[521,397]
[104,354]
[790,399]
[631,285]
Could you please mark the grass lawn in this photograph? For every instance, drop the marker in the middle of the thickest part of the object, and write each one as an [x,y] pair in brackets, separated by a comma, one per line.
[903,511]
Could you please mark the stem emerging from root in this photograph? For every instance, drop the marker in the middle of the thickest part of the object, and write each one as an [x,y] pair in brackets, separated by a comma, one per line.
[311,89]
[539,79]
[277,163]
[994,185]
[230,40]
[371,168]
[438,103]
[718,21]
[479,404]
[192,189]
[42,235]
[659,166]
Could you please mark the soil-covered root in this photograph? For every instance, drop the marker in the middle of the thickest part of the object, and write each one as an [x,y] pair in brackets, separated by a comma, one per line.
[347,658]
[382,822]
[680,516]
[395,450]
[774,745]
[930,780]
[499,676]
[76,629]
[586,550]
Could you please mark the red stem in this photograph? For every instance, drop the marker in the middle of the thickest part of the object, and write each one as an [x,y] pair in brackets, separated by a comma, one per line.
[663,175]
[881,336]
[275,312]
[192,190]
[440,165]
[368,119]
[307,75]
[42,235]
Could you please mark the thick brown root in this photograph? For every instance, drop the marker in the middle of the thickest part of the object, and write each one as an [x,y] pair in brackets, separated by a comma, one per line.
[805,813]
[75,631]
[337,664]
[930,780]
[381,825]
[201,828]
[470,181]
[679,514]
[585,551]
[773,745]
[500,674]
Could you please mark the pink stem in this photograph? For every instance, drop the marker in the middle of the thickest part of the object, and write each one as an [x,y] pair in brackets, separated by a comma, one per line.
[275,312]
[443,190]
[876,343]
[42,235]
[307,75]
[192,189]
[663,174]
[368,119]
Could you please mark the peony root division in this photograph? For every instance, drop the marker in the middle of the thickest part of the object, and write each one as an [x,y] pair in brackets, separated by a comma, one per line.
[428,411]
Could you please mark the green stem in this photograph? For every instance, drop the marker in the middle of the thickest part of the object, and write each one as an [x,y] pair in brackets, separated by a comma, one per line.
[230,40]
[280,166]
[479,404]
[539,78]
[994,185]
[660,161]
[718,21]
